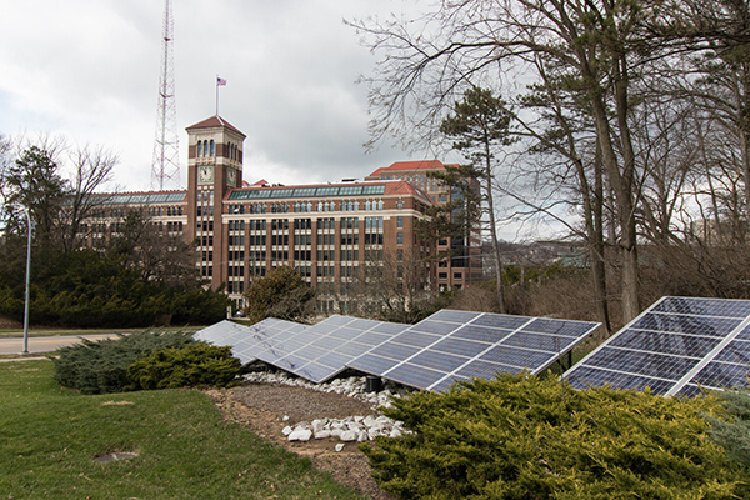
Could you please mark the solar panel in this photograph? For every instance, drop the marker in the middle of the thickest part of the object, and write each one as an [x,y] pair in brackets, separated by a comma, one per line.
[331,344]
[676,347]
[457,345]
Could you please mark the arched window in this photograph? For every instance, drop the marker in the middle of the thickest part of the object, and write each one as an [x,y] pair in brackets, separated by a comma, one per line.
[212,146]
[205,148]
[198,149]
[233,152]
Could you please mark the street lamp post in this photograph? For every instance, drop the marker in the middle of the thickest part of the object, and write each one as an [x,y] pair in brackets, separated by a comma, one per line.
[28,281]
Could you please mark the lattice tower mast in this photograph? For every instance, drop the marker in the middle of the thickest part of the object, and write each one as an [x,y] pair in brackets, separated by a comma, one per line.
[165,163]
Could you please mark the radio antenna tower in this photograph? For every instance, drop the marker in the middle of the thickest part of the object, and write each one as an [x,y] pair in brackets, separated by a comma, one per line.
[165,164]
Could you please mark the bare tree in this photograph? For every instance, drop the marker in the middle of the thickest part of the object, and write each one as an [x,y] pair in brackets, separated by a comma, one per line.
[92,168]
[594,45]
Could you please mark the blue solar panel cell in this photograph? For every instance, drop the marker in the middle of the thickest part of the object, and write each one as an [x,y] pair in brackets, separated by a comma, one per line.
[668,343]
[736,351]
[326,342]
[744,334]
[718,374]
[345,333]
[704,307]
[460,346]
[501,321]
[481,334]
[362,324]
[541,342]
[521,358]
[334,360]
[352,348]
[434,327]
[438,360]
[390,328]
[372,339]
[395,351]
[584,377]
[692,325]
[415,376]
[415,339]
[455,316]
[370,363]
[642,363]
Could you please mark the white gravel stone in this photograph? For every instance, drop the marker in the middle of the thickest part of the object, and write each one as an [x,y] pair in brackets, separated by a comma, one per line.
[285,418]
[395,433]
[339,447]
[348,436]
[321,434]
[286,430]
[300,435]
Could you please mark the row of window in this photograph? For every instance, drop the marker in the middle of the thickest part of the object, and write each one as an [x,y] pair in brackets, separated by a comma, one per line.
[307,206]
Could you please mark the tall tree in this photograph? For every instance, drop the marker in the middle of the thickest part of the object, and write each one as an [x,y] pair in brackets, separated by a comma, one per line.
[480,123]
[33,182]
[282,294]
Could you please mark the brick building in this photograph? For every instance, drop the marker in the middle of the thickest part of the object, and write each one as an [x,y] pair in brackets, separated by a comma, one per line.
[341,237]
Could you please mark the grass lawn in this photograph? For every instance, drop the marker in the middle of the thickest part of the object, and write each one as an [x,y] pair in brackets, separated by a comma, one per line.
[44,332]
[49,437]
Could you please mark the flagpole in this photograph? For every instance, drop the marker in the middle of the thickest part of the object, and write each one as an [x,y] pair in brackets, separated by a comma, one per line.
[217,95]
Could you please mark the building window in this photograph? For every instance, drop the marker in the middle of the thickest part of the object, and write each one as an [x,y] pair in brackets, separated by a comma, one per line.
[198,150]
[456,276]
[443,276]
[399,221]
[205,148]
[213,147]
[399,238]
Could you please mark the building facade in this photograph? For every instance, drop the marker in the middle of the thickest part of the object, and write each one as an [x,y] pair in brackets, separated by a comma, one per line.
[346,238]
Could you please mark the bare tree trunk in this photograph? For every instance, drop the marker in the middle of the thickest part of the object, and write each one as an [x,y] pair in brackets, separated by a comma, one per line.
[499,288]
[598,255]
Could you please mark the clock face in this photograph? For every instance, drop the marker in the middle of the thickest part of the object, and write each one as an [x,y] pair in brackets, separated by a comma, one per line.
[231,175]
[205,174]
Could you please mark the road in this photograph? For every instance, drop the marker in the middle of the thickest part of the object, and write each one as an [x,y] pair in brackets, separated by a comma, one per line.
[14,345]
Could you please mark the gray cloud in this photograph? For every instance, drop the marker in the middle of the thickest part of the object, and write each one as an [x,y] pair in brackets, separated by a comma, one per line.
[89,69]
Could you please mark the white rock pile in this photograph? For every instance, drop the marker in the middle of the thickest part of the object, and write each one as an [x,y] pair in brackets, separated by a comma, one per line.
[353,387]
[353,428]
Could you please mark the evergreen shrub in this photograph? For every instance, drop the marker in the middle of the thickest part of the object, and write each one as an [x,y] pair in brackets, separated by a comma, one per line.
[191,365]
[99,367]
[524,437]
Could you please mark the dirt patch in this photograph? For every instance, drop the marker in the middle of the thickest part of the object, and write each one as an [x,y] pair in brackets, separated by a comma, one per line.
[261,407]
[115,456]
[299,403]
[117,403]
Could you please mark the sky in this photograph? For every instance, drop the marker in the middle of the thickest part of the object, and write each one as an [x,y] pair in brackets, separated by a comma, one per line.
[88,70]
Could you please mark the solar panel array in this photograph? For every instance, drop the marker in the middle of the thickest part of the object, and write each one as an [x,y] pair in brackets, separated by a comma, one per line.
[675,347]
[433,354]
[458,345]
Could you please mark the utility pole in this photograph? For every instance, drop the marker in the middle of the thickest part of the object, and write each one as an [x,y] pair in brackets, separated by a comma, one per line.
[165,164]
[28,284]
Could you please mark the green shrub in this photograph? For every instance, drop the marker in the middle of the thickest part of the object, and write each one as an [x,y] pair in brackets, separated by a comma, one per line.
[194,364]
[523,437]
[734,433]
[98,367]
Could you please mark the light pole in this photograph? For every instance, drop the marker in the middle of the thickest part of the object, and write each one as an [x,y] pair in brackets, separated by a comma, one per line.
[28,281]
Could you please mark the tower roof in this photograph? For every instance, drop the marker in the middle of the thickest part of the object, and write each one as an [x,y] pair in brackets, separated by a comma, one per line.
[215,121]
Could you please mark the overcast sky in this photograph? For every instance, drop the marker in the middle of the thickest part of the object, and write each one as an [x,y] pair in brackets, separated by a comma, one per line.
[89,69]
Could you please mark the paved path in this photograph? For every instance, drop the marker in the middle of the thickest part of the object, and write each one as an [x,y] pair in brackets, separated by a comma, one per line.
[14,345]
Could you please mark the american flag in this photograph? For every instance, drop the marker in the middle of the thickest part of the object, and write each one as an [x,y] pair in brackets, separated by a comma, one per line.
[220,82]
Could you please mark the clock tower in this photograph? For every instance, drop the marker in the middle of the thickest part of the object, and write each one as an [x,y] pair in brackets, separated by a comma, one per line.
[215,150]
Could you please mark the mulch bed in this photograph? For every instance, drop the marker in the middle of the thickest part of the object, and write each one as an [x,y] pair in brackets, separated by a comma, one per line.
[261,407]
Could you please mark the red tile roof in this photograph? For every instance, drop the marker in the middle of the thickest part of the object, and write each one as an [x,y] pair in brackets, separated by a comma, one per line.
[261,182]
[409,166]
[214,121]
